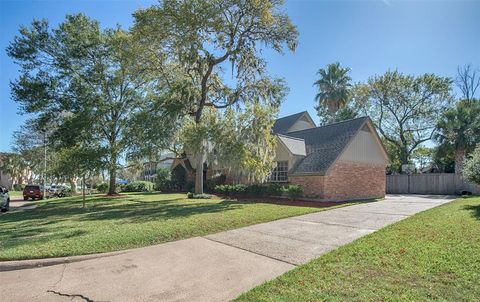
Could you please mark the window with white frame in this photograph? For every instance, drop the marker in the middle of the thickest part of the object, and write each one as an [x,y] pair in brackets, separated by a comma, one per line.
[279,173]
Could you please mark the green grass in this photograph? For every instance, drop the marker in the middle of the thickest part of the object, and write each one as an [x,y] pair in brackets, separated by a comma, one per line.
[60,227]
[434,255]
[15,194]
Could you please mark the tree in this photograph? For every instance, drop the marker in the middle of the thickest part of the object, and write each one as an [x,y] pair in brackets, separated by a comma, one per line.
[83,72]
[30,142]
[460,127]
[191,44]
[13,165]
[83,161]
[405,108]
[471,171]
[422,156]
[334,87]
[468,81]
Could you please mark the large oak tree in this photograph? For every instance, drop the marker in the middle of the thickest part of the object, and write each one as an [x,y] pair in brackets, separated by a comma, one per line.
[83,78]
[193,46]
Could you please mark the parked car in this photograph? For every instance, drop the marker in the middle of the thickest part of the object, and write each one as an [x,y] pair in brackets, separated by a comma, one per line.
[4,200]
[54,189]
[33,192]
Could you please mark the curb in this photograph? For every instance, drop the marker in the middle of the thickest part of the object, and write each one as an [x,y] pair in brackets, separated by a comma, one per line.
[15,265]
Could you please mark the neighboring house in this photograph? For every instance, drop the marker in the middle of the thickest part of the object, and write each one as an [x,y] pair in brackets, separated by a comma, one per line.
[150,168]
[340,161]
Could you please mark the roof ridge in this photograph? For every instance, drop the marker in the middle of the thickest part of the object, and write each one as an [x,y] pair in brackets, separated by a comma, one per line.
[291,115]
[332,124]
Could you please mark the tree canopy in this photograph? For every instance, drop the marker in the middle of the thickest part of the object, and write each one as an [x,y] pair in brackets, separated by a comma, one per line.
[78,76]
[193,45]
[405,108]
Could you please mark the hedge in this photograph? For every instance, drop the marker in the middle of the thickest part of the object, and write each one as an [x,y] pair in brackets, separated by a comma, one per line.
[138,186]
[260,190]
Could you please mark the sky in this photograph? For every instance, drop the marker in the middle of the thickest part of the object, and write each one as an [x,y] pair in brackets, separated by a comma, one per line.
[370,37]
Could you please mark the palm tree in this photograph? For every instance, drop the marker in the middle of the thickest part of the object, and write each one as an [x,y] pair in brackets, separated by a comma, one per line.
[459,128]
[333,88]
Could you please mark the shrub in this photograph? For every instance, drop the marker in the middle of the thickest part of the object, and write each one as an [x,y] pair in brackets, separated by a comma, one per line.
[471,169]
[190,186]
[138,186]
[178,178]
[191,195]
[163,182]
[293,191]
[18,187]
[274,190]
[215,181]
[102,187]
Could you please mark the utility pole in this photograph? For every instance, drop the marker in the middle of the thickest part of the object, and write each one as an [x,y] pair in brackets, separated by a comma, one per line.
[45,163]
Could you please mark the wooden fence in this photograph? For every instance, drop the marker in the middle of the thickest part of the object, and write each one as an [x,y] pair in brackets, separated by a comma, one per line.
[434,183]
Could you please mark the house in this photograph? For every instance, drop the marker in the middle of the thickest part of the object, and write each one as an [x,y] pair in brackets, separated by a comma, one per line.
[340,161]
[149,171]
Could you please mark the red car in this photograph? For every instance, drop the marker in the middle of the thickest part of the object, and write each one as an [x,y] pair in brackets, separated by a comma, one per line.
[33,192]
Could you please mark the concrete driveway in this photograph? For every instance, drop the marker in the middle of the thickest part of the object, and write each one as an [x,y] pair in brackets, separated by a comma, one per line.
[217,267]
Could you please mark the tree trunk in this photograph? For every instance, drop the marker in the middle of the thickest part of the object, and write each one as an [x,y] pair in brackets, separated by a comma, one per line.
[83,191]
[113,172]
[199,174]
[113,180]
[73,184]
[459,159]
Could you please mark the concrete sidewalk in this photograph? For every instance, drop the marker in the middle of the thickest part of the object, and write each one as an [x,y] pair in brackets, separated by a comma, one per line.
[212,268]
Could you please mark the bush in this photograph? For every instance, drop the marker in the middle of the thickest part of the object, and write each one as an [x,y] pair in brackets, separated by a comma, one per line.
[18,187]
[293,191]
[138,186]
[190,186]
[259,190]
[191,195]
[163,182]
[102,187]
[215,181]
[471,169]
[178,178]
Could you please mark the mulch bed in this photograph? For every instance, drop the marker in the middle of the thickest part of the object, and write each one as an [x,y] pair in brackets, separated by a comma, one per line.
[290,202]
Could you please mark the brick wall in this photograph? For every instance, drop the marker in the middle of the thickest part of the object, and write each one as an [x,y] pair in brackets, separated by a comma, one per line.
[312,184]
[354,180]
[346,180]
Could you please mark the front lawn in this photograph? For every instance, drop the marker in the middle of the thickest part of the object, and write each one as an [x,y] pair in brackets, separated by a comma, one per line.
[434,255]
[60,227]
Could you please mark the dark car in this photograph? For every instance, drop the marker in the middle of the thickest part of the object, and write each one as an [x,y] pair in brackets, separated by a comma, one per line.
[33,192]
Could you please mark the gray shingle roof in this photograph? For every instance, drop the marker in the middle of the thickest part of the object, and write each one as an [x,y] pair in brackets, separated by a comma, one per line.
[283,124]
[324,144]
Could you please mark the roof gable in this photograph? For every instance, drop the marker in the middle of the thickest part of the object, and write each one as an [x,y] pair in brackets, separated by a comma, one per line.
[283,125]
[325,144]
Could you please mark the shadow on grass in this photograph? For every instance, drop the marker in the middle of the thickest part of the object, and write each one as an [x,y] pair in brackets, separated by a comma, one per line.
[63,220]
[475,210]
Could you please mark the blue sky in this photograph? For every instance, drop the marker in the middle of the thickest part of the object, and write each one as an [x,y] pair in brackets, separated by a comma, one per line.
[370,37]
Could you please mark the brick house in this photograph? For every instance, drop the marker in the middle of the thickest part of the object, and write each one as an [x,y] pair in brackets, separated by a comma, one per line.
[340,161]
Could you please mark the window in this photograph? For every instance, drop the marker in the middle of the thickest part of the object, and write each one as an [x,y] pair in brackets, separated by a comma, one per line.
[279,173]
